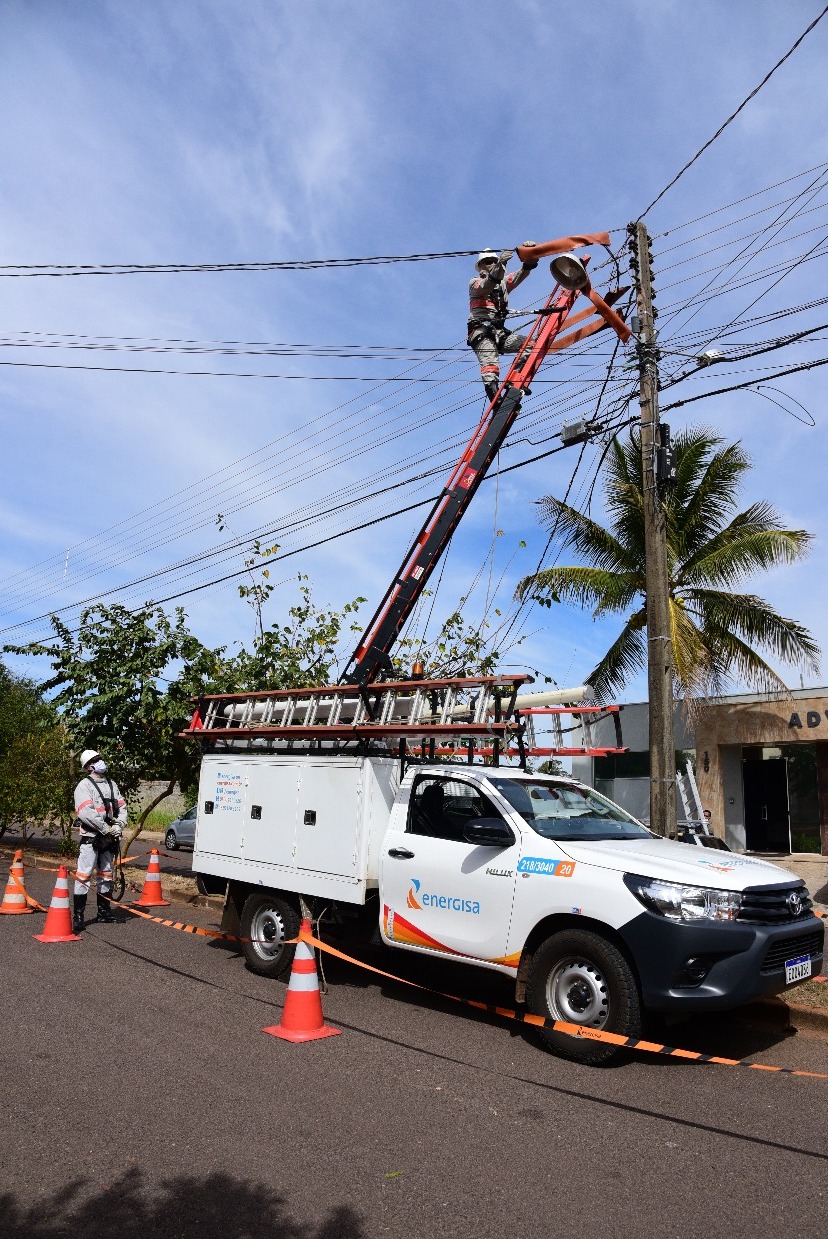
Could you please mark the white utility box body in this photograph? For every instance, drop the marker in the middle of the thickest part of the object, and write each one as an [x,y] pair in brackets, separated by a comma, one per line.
[300,823]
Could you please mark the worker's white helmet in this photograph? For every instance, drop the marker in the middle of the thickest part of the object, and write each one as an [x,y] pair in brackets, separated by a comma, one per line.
[87,756]
[486,256]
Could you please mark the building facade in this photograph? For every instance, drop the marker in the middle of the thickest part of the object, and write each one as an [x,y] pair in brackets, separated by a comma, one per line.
[760,760]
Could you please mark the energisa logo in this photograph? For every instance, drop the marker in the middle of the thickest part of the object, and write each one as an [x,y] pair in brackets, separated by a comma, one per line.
[427,899]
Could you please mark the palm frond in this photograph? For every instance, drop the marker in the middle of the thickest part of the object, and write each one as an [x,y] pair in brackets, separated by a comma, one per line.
[595,587]
[585,536]
[697,511]
[691,657]
[626,656]
[751,619]
[734,556]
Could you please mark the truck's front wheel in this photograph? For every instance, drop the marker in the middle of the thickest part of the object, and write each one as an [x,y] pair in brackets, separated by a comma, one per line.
[267,922]
[580,978]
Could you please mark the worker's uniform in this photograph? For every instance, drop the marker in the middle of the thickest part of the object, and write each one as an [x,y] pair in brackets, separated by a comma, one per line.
[99,806]
[488,304]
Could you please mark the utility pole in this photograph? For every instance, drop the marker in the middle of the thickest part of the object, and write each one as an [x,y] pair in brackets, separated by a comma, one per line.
[656,461]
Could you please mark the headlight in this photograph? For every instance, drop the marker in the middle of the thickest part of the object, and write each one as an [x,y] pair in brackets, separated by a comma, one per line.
[684,903]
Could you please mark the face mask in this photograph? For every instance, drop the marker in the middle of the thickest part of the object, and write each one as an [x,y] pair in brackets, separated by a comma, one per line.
[99,766]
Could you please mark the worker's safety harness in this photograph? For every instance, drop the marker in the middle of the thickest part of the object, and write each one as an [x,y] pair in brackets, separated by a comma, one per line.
[493,327]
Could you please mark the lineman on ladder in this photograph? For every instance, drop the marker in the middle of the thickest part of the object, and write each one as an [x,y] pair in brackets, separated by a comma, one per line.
[488,305]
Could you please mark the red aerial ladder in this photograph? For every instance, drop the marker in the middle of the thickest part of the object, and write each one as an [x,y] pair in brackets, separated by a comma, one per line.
[482,714]
[372,659]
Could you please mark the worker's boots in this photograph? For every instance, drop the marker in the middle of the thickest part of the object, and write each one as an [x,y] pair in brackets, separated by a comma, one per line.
[105,914]
[492,387]
[78,909]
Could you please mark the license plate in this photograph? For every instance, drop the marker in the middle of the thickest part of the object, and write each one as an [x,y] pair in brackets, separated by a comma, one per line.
[797,969]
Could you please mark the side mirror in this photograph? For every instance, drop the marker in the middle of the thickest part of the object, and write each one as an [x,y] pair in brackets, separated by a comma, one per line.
[488,832]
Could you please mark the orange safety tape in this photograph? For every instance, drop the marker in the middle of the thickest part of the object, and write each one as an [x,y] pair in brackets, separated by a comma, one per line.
[537,1021]
[200,931]
[32,902]
[571,1030]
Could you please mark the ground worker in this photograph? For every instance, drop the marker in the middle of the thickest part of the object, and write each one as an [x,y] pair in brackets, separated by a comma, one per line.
[101,817]
[488,304]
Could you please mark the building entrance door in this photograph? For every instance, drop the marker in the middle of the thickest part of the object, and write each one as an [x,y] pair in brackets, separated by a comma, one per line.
[767,818]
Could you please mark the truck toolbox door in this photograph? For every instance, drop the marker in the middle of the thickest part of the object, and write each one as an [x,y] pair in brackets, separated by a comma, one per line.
[439,892]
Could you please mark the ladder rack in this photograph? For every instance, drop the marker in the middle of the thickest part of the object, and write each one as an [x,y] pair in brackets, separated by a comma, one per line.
[477,715]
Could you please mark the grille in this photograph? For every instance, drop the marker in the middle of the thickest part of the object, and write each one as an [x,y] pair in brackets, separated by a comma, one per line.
[768,905]
[790,948]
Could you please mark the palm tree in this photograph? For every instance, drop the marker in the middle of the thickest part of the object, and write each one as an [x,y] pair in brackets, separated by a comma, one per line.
[715,631]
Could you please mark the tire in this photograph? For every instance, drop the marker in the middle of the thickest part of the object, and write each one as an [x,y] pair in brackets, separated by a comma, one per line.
[581,978]
[171,841]
[268,920]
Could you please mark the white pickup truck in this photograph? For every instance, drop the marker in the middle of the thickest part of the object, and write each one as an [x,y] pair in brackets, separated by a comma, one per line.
[540,878]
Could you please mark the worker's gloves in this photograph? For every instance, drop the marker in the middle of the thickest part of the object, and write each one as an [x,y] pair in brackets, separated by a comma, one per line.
[116,830]
[530,264]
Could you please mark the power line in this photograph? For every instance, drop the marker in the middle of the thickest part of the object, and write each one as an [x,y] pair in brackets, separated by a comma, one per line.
[733,115]
[29,270]
[780,374]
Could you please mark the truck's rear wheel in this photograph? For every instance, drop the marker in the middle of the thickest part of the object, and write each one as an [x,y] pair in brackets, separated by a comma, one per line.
[267,922]
[581,978]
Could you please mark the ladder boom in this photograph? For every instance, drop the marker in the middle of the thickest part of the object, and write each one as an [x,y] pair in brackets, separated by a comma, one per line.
[372,655]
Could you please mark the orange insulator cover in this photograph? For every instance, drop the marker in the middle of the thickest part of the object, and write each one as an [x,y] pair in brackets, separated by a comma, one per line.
[526,253]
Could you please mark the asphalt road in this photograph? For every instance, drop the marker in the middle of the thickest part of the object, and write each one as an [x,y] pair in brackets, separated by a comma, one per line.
[141,1098]
[180,862]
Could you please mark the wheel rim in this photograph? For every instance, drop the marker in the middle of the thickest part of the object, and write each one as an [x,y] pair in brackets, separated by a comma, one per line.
[169,842]
[577,992]
[267,929]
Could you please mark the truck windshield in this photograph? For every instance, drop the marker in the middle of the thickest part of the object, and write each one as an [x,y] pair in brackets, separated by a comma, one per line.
[567,811]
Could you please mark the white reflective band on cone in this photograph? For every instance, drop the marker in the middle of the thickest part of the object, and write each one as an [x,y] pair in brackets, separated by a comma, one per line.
[303,981]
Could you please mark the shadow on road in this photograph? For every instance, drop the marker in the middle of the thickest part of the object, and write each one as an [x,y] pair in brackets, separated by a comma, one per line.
[214,1206]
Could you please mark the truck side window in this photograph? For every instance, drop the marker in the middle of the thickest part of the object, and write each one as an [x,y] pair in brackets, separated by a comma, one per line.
[441,807]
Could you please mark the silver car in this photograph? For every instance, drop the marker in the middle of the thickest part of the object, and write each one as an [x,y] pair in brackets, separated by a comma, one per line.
[182,830]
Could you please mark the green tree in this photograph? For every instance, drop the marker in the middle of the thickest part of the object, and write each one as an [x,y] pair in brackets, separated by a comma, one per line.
[35,759]
[123,683]
[716,632]
[460,649]
[304,651]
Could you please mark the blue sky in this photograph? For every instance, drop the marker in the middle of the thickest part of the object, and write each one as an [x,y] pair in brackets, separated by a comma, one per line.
[198,132]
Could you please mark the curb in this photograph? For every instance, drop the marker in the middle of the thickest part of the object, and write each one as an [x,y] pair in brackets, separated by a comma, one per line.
[179,896]
[784,1014]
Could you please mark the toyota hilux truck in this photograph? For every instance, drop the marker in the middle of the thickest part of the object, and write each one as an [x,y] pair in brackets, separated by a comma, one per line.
[597,920]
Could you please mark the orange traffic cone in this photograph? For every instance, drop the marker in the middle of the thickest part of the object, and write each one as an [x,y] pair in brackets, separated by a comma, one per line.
[302,1015]
[15,901]
[58,927]
[152,895]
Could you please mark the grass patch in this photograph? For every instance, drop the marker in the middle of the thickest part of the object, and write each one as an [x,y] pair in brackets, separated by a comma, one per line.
[810,994]
[160,819]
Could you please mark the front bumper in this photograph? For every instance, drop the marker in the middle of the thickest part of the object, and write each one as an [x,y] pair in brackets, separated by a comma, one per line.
[717,966]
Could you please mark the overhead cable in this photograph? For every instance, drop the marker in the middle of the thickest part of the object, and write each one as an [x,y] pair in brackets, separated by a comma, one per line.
[28,270]
[733,115]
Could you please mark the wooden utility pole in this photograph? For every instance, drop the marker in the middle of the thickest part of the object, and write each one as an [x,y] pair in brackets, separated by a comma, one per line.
[659,646]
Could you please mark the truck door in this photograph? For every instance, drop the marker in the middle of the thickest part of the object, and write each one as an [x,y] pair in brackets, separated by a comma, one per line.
[440,893]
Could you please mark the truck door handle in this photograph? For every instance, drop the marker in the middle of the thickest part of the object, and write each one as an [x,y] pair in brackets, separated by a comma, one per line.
[401,853]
